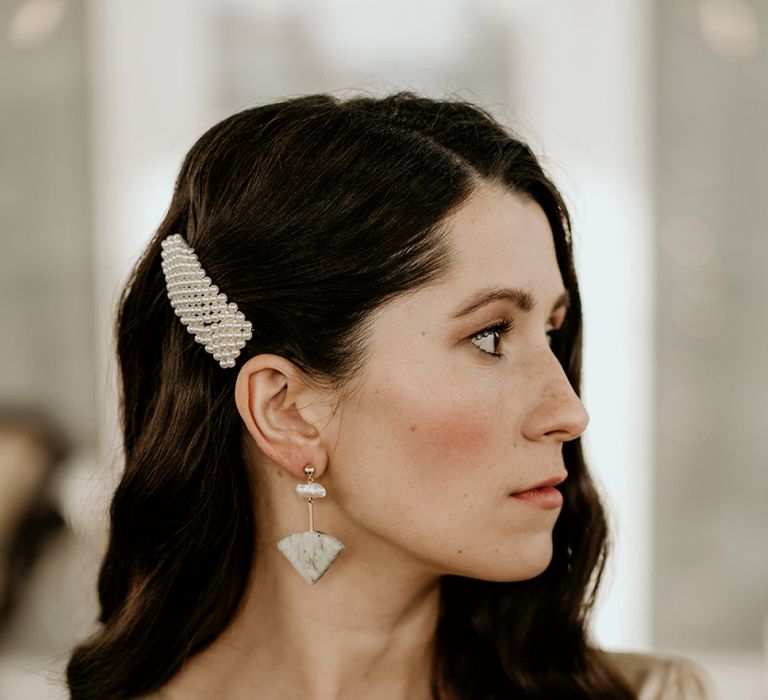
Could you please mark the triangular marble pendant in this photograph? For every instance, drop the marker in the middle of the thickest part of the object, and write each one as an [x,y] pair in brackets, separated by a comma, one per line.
[311,552]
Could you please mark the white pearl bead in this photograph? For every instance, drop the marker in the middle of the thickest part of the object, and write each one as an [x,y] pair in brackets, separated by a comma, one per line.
[313,490]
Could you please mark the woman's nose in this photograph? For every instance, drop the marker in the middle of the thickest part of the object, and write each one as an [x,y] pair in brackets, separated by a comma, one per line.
[558,411]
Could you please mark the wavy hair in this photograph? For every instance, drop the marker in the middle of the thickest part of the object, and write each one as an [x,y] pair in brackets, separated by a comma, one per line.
[311,213]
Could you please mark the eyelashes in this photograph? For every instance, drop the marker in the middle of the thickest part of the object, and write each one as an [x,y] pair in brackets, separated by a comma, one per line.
[498,330]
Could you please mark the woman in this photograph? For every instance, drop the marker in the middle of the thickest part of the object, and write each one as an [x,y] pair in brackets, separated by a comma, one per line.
[396,329]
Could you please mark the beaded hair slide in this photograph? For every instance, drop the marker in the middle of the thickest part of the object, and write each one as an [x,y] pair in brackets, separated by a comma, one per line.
[202,308]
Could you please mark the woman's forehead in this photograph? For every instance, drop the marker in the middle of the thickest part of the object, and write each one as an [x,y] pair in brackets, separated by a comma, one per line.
[498,230]
[501,246]
[497,240]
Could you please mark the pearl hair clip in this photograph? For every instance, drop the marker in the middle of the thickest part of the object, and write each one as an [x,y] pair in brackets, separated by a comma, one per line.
[202,308]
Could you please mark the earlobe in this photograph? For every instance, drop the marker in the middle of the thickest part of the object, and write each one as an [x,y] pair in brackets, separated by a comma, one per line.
[274,404]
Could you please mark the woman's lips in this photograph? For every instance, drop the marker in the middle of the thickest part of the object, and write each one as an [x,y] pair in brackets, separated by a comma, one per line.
[544,494]
[552,481]
[544,497]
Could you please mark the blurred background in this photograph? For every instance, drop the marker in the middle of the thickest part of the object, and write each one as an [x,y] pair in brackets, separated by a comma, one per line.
[651,115]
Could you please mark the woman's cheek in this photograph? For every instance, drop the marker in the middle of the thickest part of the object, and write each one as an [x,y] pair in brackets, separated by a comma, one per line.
[454,434]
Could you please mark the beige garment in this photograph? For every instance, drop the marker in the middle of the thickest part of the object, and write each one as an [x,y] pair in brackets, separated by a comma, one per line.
[664,676]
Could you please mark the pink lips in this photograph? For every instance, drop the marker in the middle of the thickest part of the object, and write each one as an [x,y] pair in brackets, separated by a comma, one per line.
[544,494]
[548,497]
[554,481]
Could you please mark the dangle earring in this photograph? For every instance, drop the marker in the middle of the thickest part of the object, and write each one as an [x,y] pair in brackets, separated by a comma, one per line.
[310,552]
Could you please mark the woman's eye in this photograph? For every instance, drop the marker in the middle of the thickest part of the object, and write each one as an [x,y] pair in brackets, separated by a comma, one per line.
[489,337]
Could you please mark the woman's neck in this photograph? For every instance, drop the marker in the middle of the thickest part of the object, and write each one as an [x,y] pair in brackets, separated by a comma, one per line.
[351,635]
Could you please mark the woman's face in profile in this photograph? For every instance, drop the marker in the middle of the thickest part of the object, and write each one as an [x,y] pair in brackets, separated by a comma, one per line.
[441,430]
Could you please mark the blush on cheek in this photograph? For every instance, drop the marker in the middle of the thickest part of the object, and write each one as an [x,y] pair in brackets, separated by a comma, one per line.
[459,438]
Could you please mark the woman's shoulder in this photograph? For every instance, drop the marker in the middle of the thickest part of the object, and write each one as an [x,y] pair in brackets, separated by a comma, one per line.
[663,676]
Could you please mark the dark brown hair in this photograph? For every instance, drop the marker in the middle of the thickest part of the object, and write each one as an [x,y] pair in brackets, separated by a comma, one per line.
[310,213]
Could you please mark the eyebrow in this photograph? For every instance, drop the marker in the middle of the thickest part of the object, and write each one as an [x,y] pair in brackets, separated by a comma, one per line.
[522,298]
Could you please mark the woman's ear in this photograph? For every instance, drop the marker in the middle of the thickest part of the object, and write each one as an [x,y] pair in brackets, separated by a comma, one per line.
[282,413]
